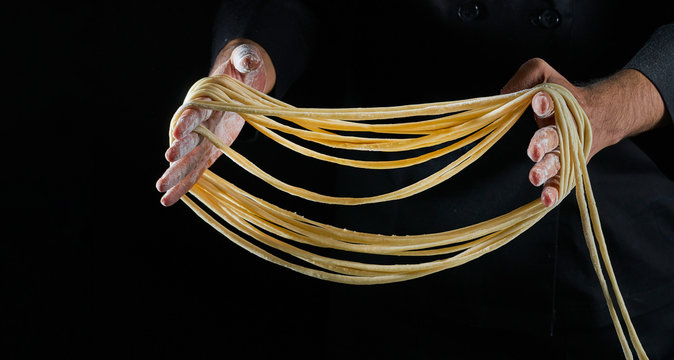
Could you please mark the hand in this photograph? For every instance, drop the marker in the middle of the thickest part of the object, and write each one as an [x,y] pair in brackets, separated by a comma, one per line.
[243,60]
[619,106]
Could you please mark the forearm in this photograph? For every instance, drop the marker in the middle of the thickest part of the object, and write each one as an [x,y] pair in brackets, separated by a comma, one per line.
[623,105]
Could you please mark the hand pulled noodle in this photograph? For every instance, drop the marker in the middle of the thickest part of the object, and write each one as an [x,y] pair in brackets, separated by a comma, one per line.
[480,122]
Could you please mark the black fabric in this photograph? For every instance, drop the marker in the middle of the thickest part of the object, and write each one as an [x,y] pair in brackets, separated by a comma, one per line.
[391,53]
[655,61]
[280,27]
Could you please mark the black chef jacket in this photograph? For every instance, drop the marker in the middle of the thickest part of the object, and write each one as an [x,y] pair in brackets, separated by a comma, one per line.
[357,53]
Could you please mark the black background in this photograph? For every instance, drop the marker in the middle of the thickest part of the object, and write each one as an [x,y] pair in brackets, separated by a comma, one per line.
[92,264]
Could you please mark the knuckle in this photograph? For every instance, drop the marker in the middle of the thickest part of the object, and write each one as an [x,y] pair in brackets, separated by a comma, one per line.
[191,114]
[553,182]
[187,112]
[536,63]
[549,132]
[552,160]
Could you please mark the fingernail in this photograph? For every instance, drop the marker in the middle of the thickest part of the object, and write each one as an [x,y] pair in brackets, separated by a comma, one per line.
[245,58]
[537,177]
[541,104]
[164,201]
[535,153]
[169,155]
[549,196]
[160,184]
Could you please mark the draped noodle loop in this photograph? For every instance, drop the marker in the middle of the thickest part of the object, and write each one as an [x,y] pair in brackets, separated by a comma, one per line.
[480,121]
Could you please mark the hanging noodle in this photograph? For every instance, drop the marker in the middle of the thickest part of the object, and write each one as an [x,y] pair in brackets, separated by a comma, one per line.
[480,121]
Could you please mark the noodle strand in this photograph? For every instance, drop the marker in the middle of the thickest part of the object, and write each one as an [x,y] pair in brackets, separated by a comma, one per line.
[454,124]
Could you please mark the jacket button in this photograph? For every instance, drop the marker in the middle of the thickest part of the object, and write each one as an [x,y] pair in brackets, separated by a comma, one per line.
[470,11]
[549,18]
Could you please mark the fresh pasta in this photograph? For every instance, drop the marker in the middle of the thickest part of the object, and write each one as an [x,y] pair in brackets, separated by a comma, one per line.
[447,126]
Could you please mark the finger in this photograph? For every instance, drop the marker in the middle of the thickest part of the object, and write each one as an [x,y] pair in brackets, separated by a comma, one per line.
[181,147]
[177,191]
[550,194]
[542,104]
[247,66]
[545,169]
[248,62]
[179,169]
[185,184]
[189,120]
[543,141]
[543,108]
[246,58]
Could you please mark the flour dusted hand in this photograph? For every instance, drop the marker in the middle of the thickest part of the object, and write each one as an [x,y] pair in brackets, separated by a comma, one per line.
[243,60]
[619,106]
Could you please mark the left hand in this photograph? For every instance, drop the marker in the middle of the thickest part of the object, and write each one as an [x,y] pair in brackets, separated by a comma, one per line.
[242,59]
[619,106]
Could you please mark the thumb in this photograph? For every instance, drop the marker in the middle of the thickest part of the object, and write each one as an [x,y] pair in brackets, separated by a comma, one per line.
[248,62]
[531,73]
[246,58]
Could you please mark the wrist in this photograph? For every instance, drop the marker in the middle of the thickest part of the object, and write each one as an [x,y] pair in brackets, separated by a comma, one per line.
[604,116]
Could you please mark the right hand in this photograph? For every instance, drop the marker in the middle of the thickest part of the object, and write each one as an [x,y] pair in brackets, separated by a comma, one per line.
[622,105]
[189,155]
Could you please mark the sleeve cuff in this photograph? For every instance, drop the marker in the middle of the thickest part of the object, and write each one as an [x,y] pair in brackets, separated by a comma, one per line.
[656,61]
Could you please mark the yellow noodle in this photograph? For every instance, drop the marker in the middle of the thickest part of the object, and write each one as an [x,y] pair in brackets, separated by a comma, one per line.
[481,121]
